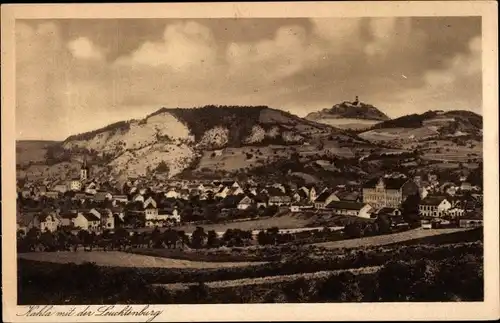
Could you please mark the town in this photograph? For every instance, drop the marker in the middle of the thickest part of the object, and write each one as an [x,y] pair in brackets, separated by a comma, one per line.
[84,205]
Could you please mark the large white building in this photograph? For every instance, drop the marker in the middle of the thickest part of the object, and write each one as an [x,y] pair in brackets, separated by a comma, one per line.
[434,206]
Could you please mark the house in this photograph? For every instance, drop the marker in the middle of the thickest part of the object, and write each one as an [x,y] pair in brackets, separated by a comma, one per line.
[362,210]
[149,202]
[423,192]
[223,192]
[138,198]
[96,213]
[120,198]
[67,218]
[471,222]
[107,220]
[162,218]
[278,197]
[41,190]
[26,193]
[432,178]
[261,201]
[102,196]
[82,220]
[60,187]
[88,221]
[434,206]
[208,188]
[389,192]
[52,194]
[312,193]
[172,193]
[235,191]
[389,211]
[349,196]
[230,183]
[455,212]
[24,221]
[466,186]
[324,199]
[279,186]
[245,203]
[231,201]
[91,188]
[184,194]
[75,184]
[300,206]
[300,195]
[46,221]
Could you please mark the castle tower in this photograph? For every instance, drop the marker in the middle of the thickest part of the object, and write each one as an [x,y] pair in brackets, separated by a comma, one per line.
[84,171]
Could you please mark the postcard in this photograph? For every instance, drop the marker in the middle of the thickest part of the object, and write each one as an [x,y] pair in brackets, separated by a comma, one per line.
[250,161]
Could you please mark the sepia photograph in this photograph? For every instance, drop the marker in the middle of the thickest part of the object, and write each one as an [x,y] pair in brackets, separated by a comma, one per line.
[246,159]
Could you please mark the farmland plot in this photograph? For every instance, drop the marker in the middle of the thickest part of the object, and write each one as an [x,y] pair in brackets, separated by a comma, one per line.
[386,239]
[270,279]
[122,259]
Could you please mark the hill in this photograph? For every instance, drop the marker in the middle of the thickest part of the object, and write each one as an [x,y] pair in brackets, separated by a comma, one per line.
[205,139]
[349,115]
[452,136]
[32,151]
[431,124]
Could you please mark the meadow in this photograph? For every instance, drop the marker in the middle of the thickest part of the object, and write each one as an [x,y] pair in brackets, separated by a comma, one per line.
[387,238]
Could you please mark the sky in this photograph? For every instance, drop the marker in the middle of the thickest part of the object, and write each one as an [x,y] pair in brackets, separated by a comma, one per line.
[76,75]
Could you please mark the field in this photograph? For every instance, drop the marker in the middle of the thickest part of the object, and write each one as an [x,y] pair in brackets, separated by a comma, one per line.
[270,279]
[446,238]
[348,123]
[123,259]
[436,273]
[387,239]
[287,221]
[389,134]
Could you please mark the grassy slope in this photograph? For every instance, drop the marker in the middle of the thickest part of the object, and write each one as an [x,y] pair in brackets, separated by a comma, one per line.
[394,238]
[32,150]
[122,259]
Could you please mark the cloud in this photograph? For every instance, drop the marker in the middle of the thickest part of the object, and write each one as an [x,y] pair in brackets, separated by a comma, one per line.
[53,89]
[63,76]
[83,48]
[457,86]
[290,51]
[337,32]
[183,45]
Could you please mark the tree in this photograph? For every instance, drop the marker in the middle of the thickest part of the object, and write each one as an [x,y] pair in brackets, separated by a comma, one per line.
[353,230]
[198,238]
[212,239]
[170,238]
[410,209]
[162,167]
[262,238]
[156,238]
[48,240]
[383,224]
[87,239]
[211,213]
[340,287]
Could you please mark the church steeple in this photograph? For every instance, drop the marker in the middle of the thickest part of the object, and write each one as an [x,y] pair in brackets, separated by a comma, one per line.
[84,171]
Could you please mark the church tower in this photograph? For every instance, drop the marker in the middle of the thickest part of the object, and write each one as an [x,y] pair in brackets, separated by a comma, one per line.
[84,171]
